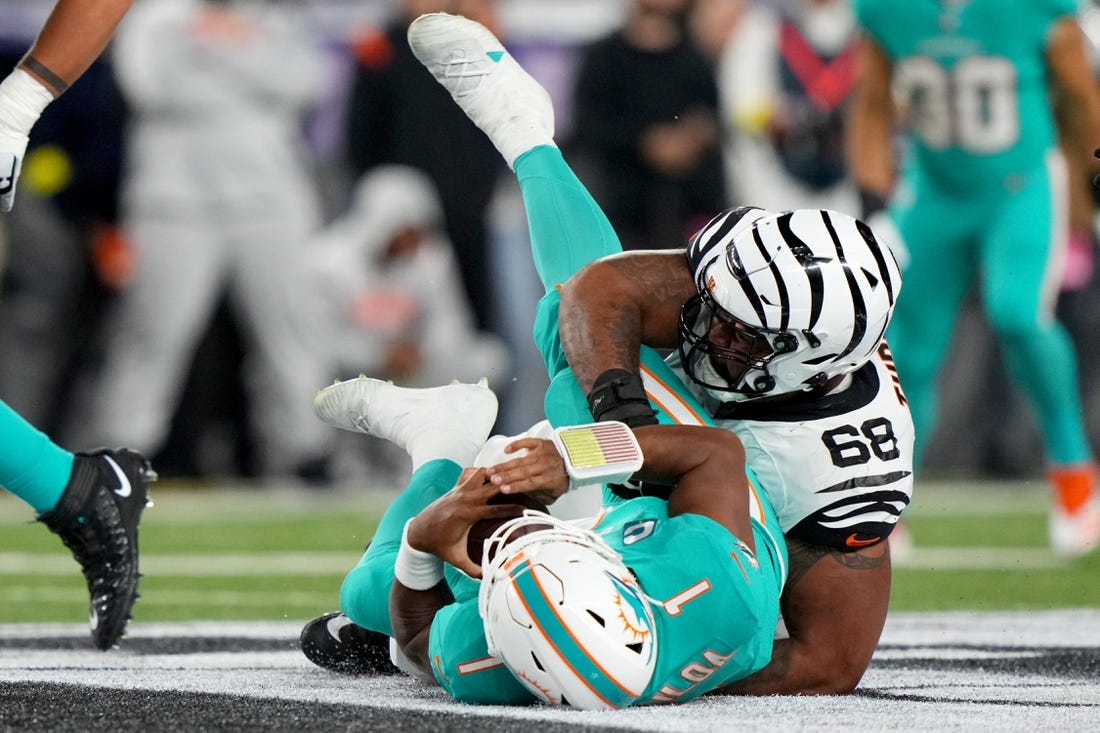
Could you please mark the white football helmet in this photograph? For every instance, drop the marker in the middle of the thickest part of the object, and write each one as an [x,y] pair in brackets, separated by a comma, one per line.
[565,615]
[786,301]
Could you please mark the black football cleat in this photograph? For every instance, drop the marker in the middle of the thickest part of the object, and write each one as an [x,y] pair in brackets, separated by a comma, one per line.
[97,519]
[335,643]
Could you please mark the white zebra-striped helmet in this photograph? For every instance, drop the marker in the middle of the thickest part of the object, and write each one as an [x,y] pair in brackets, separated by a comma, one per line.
[786,301]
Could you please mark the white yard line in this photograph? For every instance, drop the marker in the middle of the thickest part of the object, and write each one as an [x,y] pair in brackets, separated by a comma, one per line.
[44,594]
[195,565]
[314,563]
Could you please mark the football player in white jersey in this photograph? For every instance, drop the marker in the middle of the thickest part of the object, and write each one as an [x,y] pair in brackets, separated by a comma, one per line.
[777,322]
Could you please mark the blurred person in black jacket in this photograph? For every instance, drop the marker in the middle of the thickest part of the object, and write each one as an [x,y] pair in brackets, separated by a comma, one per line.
[647,123]
[398,114]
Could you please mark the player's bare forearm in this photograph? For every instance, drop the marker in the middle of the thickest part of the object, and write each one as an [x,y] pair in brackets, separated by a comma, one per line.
[73,36]
[834,606]
[616,304]
[870,124]
[411,613]
[707,466]
[1079,115]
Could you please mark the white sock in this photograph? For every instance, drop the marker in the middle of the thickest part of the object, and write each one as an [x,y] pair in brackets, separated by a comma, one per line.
[433,446]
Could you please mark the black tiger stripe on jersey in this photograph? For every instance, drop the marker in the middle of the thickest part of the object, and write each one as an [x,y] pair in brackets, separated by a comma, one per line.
[833,527]
[806,406]
[862,482]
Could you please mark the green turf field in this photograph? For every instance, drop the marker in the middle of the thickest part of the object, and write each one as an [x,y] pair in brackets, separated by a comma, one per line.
[261,554]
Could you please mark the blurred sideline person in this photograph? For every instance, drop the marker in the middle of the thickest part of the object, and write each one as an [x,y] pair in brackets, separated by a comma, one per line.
[93,501]
[392,290]
[646,120]
[785,77]
[218,196]
[395,111]
[599,613]
[836,604]
[981,198]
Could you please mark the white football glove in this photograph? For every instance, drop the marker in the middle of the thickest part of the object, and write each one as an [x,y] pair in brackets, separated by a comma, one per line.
[22,100]
[12,148]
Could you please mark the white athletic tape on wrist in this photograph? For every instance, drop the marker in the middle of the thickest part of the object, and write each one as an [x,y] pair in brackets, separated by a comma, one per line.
[416,569]
[598,453]
[22,99]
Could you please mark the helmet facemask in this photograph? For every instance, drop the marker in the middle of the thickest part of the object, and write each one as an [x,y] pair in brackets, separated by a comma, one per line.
[730,358]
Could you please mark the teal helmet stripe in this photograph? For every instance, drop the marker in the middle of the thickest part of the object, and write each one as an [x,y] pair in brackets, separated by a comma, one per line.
[544,613]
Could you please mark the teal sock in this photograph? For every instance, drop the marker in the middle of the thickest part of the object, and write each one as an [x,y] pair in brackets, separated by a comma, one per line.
[32,466]
[568,228]
[365,592]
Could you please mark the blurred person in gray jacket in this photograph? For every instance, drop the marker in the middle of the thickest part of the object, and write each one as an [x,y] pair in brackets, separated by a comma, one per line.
[392,288]
[218,196]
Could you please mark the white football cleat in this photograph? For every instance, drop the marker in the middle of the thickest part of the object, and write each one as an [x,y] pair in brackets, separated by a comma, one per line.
[502,99]
[1075,533]
[452,421]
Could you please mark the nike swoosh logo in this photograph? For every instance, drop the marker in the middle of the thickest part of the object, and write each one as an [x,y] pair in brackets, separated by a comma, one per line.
[124,489]
[854,541]
[7,181]
[335,624]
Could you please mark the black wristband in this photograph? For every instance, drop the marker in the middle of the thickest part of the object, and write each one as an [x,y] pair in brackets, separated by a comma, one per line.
[870,203]
[618,394]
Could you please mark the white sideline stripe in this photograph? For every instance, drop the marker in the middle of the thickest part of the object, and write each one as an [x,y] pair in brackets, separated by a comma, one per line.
[182,598]
[312,563]
[200,566]
[980,558]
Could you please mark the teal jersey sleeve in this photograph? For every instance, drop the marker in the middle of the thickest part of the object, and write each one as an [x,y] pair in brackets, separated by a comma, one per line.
[461,661]
[716,602]
[974,80]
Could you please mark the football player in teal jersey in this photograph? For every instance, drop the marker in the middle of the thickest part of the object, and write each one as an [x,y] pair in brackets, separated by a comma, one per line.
[599,613]
[981,198]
